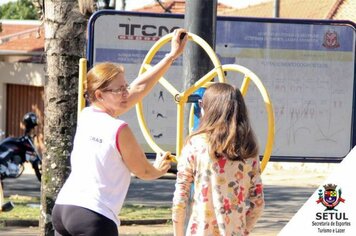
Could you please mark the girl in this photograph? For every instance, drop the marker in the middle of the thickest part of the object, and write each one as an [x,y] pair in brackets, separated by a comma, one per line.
[221,159]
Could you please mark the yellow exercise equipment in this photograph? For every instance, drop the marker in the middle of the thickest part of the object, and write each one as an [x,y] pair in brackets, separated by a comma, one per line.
[182,97]
[82,80]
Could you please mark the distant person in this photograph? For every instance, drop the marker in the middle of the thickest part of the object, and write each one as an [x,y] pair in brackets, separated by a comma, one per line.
[221,159]
[4,206]
[106,152]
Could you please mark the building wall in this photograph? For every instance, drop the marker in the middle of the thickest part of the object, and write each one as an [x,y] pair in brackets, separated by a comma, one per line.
[17,73]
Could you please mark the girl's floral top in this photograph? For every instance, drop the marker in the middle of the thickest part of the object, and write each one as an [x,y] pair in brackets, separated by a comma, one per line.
[226,196]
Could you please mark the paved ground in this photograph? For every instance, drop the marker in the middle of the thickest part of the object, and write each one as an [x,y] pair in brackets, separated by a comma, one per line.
[287,187]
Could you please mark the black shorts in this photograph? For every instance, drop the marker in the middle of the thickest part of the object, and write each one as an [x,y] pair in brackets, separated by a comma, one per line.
[69,220]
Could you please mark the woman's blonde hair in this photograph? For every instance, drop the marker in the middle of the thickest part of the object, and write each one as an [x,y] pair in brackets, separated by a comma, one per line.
[226,123]
[100,76]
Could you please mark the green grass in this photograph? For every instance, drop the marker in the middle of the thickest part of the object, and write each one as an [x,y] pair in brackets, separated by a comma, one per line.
[139,212]
[27,208]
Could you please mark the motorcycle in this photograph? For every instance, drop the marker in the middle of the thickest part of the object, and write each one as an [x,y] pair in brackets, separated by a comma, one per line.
[16,151]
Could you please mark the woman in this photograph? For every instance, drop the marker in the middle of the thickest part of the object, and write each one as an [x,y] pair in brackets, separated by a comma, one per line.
[105,151]
[221,159]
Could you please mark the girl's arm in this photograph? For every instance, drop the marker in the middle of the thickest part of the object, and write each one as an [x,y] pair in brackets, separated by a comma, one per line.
[256,196]
[182,190]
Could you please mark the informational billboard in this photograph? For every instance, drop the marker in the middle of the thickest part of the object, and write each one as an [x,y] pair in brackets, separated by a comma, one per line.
[308,68]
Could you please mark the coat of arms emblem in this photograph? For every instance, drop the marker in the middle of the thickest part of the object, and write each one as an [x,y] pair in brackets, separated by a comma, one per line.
[331,39]
[330,197]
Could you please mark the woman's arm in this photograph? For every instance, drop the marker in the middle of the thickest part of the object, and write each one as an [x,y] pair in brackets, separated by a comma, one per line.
[143,84]
[135,159]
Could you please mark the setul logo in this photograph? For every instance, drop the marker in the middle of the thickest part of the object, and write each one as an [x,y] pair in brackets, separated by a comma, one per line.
[331,220]
[330,197]
[144,32]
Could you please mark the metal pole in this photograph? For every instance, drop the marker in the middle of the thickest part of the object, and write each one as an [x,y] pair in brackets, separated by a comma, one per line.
[200,19]
[276,8]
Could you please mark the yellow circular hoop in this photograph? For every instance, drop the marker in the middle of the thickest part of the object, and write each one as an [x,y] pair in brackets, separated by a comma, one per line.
[249,75]
[181,98]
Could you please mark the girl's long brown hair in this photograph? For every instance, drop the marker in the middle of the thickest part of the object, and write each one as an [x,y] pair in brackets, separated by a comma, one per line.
[226,124]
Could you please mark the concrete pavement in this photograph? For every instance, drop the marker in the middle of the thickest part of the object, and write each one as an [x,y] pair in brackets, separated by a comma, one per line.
[287,187]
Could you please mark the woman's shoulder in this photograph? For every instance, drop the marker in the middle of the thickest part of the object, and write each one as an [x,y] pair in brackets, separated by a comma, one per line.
[91,110]
[121,123]
[93,113]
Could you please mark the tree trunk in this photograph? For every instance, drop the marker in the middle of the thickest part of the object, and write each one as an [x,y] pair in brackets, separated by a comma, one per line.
[65,41]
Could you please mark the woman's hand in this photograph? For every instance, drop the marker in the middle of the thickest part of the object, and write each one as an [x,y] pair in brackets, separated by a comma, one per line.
[162,162]
[178,44]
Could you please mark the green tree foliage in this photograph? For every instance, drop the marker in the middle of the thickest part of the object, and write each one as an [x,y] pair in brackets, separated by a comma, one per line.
[19,10]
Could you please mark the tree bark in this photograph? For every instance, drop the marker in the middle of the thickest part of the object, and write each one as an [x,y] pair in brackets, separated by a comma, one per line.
[65,30]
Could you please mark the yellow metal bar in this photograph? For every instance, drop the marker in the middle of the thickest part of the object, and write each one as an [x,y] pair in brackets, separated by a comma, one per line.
[244,85]
[165,83]
[180,126]
[81,82]
[146,132]
[154,49]
[204,81]
[213,57]
[183,96]
[168,86]
[211,74]
[191,118]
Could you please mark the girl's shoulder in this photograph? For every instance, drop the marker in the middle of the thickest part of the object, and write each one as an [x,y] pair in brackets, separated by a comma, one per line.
[197,144]
[197,141]
[198,138]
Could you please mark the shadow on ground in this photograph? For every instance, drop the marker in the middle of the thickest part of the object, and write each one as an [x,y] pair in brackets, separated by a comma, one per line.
[282,202]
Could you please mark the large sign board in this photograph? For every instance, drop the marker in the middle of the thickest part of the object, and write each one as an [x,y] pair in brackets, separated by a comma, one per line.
[308,68]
